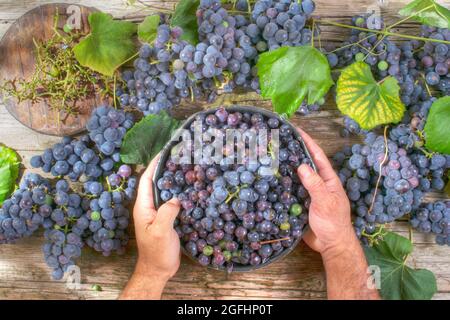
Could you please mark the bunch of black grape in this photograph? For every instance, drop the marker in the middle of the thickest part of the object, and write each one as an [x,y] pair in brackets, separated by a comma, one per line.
[433,218]
[63,236]
[226,50]
[238,214]
[280,23]
[70,158]
[90,156]
[380,53]
[98,218]
[351,127]
[107,127]
[108,215]
[157,82]
[409,135]
[170,69]
[381,186]
[25,211]
[435,58]
[384,56]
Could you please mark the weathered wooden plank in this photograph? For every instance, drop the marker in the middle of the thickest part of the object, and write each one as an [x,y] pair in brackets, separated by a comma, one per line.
[298,276]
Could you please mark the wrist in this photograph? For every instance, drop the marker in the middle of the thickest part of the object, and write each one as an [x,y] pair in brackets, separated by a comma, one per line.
[147,271]
[347,244]
[144,284]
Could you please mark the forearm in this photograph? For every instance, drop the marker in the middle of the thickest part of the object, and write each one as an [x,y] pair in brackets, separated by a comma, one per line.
[144,286]
[347,273]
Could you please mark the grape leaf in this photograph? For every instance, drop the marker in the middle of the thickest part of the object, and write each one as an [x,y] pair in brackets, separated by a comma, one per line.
[9,171]
[398,281]
[437,130]
[109,44]
[147,29]
[427,12]
[364,100]
[185,17]
[147,137]
[288,75]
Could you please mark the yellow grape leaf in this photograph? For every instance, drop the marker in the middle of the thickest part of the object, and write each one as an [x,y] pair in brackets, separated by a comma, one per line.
[365,100]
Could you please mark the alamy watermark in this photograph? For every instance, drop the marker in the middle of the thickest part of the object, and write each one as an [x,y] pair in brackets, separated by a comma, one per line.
[374,279]
[227,146]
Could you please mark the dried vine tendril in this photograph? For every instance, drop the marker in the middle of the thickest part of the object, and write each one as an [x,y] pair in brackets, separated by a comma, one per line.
[58,78]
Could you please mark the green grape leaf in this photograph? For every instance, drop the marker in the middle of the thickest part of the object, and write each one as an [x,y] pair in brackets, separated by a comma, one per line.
[364,100]
[290,75]
[398,281]
[427,12]
[109,44]
[147,137]
[185,17]
[9,171]
[437,130]
[148,28]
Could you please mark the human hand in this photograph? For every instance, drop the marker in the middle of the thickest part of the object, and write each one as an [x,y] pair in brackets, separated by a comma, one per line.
[157,241]
[329,213]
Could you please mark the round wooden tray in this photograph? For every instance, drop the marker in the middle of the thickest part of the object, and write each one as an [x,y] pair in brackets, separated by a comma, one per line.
[17,61]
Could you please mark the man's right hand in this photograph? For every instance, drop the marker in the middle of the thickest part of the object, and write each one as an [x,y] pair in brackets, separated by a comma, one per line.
[332,232]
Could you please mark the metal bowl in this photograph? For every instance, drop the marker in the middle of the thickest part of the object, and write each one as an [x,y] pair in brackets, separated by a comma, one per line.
[165,153]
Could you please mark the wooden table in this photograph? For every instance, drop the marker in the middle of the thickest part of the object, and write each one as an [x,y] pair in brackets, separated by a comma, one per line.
[24,274]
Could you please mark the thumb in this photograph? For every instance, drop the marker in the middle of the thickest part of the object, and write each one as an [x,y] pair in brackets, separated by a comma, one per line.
[166,214]
[312,182]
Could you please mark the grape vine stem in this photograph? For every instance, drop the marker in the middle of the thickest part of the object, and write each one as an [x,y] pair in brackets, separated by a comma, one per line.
[383,32]
[274,240]
[381,167]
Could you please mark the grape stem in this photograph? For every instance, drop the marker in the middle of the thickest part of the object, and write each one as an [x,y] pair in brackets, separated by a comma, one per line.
[114,91]
[351,44]
[274,240]
[410,234]
[375,236]
[408,17]
[383,32]
[381,167]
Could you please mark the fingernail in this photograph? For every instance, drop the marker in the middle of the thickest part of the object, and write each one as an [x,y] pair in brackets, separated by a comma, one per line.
[305,171]
[175,201]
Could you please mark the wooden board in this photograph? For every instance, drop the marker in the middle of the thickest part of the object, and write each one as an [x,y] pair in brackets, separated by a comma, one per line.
[24,275]
[18,62]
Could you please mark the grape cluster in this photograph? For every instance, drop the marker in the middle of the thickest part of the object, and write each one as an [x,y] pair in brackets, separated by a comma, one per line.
[171,69]
[157,82]
[382,186]
[233,59]
[98,217]
[108,217]
[107,127]
[280,23]
[239,214]
[351,127]
[435,58]
[433,218]
[90,156]
[24,212]
[385,57]
[70,158]
[63,236]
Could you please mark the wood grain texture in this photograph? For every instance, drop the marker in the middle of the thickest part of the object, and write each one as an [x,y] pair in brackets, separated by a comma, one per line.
[24,275]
